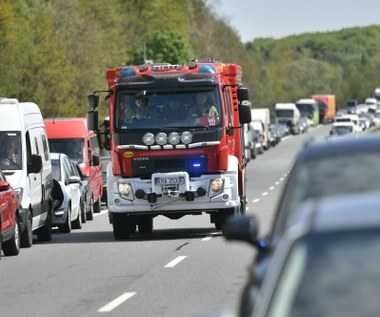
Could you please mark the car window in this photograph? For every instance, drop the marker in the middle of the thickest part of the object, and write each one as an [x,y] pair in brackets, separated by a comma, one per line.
[326,177]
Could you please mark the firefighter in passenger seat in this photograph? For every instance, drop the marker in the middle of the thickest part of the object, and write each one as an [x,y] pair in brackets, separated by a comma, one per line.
[203,108]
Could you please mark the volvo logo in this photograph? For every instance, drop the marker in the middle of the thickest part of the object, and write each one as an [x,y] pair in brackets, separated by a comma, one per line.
[141,158]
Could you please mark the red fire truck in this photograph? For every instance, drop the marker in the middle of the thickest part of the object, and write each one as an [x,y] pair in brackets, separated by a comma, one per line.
[167,160]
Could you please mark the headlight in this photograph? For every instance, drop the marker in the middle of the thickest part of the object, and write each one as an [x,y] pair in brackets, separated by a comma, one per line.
[216,185]
[148,138]
[161,138]
[125,190]
[186,137]
[174,138]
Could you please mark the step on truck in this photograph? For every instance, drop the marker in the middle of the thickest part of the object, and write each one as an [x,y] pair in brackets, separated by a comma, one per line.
[167,157]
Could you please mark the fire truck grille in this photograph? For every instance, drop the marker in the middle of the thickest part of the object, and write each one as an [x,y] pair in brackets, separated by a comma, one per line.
[194,165]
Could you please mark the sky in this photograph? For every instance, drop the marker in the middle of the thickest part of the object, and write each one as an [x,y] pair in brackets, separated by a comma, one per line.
[253,19]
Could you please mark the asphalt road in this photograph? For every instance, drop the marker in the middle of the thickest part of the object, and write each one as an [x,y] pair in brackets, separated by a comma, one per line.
[184,268]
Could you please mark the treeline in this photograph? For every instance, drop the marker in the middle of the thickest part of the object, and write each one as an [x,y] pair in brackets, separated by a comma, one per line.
[56,52]
[345,63]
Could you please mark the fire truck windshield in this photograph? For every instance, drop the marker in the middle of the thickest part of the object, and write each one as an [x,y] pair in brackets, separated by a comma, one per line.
[160,109]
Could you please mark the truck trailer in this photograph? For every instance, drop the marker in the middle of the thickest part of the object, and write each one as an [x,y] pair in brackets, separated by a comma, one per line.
[327,107]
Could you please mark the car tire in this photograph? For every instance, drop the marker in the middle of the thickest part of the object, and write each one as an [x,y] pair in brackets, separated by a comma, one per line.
[45,232]
[90,212]
[145,224]
[97,207]
[27,234]
[223,214]
[12,246]
[77,223]
[120,226]
[66,228]
[83,208]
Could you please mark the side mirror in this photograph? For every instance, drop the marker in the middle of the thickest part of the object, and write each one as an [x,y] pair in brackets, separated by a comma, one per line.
[93,101]
[241,228]
[74,180]
[244,113]
[92,120]
[243,93]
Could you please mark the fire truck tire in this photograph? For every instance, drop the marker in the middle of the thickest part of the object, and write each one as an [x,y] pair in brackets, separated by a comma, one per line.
[243,206]
[223,214]
[132,225]
[145,224]
[121,227]
[97,207]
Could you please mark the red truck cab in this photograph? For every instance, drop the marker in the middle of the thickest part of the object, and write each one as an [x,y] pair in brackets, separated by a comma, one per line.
[71,136]
[174,161]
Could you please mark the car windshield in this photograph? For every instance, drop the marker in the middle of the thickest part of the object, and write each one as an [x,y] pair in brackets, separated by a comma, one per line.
[73,148]
[10,150]
[306,109]
[166,109]
[330,274]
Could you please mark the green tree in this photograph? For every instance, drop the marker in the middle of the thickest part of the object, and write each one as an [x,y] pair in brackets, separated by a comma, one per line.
[162,46]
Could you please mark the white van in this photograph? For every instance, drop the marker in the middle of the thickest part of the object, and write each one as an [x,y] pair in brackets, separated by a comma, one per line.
[25,160]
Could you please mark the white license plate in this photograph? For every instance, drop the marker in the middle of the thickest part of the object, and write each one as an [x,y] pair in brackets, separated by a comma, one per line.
[169,180]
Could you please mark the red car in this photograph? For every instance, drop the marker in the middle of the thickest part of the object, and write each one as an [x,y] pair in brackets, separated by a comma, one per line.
[10,226]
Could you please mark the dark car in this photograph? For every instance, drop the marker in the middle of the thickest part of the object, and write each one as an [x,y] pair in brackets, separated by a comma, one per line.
[326,263]
[323,167]
[9,219]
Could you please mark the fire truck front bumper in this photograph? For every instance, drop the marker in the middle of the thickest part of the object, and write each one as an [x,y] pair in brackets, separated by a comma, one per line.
[174,191]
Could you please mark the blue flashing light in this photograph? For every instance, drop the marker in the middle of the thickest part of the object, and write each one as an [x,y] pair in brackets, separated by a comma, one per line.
[127,72]
[197,165]
[207,68]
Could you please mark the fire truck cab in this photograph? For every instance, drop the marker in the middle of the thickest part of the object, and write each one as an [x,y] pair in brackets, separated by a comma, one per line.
[167,157]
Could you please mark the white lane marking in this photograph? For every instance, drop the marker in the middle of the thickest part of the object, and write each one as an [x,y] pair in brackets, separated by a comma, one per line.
[276,183]
[256,200]
[116,302]
[266,193]
[271,188]
[206,239]
[176,261]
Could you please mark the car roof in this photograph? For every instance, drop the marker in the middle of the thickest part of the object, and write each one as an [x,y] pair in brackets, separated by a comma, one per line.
[343,124]
[316,149]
